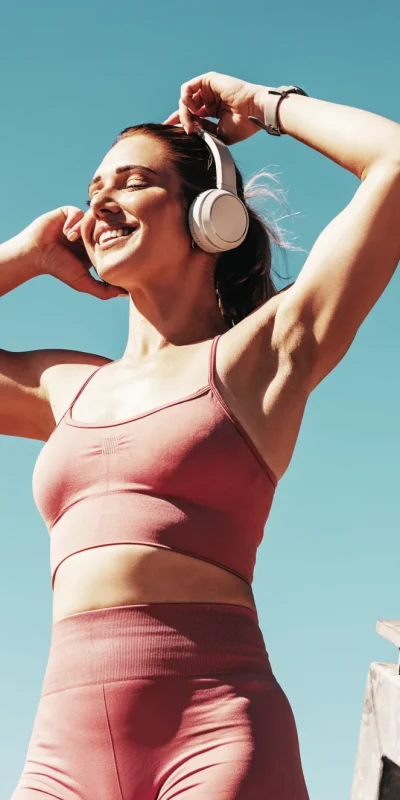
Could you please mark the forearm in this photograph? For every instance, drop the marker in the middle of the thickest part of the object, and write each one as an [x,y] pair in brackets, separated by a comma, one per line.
[16,264]
[353,138]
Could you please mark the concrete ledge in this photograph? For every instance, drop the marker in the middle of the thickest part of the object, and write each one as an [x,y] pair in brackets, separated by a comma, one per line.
[380,729]
[389,629]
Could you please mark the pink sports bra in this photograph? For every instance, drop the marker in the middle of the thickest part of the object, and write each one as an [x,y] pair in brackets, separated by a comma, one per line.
[184,476]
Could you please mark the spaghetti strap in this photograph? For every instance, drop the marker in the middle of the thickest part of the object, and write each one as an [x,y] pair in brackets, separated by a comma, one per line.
[70,407]
[211,364]
[211,373]
[231,415]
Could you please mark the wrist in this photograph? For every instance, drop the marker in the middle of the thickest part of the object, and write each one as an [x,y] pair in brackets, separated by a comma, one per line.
[260,101]
[21,254]
[263,101]
[269,102]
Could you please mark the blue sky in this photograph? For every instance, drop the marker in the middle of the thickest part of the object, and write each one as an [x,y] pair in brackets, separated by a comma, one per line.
[72,76]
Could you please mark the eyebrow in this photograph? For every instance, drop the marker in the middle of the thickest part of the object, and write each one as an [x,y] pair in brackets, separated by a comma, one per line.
[119,170]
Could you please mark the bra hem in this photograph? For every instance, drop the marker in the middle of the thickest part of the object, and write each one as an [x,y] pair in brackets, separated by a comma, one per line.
[77,424]
[151,544]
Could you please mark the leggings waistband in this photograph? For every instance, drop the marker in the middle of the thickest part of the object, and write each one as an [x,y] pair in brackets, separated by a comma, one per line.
[150,640]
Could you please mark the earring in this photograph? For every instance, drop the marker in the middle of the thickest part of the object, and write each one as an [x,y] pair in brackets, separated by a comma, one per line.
[193,245]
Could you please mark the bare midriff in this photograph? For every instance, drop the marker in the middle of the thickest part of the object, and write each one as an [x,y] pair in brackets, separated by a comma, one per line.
[132,574]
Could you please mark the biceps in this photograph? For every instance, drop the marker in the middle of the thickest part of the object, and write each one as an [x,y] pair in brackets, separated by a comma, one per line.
[24,406]
[347,270]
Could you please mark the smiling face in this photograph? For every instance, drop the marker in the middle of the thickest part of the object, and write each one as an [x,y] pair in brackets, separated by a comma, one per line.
[136,227]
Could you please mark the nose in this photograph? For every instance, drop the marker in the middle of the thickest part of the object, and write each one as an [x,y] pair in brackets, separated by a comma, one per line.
[103,205]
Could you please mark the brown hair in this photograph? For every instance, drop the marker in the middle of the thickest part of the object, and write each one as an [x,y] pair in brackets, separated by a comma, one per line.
[242,277]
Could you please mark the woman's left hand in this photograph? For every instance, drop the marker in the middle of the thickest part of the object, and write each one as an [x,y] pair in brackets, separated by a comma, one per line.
[227,99]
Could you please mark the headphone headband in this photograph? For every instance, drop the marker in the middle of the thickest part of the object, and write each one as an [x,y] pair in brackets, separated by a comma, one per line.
[224,164]
[218,219]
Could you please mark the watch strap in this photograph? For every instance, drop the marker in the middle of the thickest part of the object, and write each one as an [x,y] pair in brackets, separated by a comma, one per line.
[271,109]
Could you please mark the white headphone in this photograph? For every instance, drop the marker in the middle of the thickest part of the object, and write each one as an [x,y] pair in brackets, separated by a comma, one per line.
[218,219]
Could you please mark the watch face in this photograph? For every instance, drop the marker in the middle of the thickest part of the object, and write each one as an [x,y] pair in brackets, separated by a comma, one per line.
[297,90]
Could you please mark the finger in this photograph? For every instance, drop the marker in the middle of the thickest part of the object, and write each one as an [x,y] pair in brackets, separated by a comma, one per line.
[191,87]
[209,100]
[185,117]
[189,90]
[188,105]
[197,93]
[200,108]
[173,119]
[216,128]
[74,233]
[192,98]
[197,101]
[103,291]
[78,249]
[72,223]
[206,125]
[72,215]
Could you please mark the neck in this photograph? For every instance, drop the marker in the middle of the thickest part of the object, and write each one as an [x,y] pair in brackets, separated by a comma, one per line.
[170,317]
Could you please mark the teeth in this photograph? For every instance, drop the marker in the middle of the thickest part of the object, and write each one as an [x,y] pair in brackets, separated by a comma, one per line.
[115,233]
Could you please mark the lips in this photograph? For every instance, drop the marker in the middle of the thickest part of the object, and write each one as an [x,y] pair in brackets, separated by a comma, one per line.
[106,237]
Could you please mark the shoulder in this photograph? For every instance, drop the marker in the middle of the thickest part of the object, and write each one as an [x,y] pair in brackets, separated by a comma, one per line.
[62,374]
[34,382]
[59,365]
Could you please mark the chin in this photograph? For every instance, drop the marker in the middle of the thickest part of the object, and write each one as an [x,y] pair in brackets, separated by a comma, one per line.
[115,268]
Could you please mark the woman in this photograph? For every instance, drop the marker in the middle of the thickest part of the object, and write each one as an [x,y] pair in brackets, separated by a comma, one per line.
[156,481]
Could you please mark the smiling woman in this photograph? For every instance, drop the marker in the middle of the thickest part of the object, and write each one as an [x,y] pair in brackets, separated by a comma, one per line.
[159,471]
[183,166]
[139,217]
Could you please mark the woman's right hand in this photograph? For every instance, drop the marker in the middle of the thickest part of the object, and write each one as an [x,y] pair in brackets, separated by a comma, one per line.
[54,240]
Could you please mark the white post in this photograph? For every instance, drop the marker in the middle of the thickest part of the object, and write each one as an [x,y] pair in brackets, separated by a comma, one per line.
[377,768]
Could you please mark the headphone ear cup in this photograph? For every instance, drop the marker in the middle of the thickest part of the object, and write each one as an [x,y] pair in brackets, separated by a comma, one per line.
[194,228]
[218,220]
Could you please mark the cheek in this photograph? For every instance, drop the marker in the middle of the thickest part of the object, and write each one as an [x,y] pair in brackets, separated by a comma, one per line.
[163,213]
[174,224]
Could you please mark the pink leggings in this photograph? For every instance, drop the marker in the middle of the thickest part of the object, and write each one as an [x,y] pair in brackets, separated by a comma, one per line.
[162,701]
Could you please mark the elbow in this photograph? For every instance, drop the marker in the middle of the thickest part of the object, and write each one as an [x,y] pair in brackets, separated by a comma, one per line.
[389,162]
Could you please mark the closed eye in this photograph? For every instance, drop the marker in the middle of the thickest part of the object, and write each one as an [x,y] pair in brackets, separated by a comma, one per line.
[135,185]
[128,186]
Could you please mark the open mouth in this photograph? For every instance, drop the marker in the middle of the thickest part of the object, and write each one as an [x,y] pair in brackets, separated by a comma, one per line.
[113,236]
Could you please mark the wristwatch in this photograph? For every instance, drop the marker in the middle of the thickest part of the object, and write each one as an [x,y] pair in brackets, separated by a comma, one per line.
[274,99]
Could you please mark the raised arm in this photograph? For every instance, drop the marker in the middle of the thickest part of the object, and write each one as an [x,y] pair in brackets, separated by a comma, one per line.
[42,248]
[354,258]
